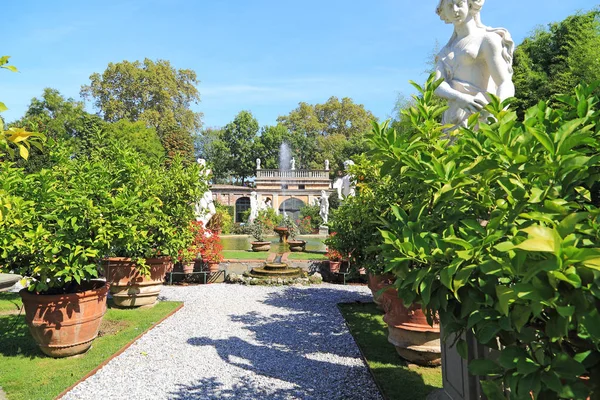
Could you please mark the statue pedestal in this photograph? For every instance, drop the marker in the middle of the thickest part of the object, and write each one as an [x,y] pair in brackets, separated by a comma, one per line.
[323,230]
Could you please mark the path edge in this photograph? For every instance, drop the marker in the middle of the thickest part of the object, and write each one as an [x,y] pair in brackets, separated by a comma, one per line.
[118,353]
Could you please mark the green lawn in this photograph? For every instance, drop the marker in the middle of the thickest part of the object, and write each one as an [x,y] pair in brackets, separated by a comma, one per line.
[25,373]
[251,255]
[395,377]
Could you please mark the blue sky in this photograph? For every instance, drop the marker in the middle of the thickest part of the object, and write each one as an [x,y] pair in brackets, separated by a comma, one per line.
[265,56]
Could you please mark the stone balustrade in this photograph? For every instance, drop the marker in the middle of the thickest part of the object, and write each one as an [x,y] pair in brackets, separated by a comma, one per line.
[292,174]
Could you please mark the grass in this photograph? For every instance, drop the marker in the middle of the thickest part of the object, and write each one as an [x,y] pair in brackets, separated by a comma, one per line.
[251,255]
[396,378]
[25,373]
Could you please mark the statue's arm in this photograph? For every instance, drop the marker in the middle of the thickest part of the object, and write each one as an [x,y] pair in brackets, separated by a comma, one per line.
[444,90]
[498,67]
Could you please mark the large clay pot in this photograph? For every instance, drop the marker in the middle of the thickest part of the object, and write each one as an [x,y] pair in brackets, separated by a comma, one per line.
[376,283]
[297,245]
[261,246]
[212,267]
[64,325]
[415,340]
[334,266]
[128,287]
[187,268]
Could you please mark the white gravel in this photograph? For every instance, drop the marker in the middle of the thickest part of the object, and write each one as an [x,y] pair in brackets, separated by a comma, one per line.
[242,342]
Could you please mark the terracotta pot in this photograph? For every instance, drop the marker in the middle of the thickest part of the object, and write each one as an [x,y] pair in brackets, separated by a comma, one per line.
[334,266]
[415,340]
[188,268]
[261,246]
[213,266]
[128,287]
[64,325]
[378,282]
[297,245]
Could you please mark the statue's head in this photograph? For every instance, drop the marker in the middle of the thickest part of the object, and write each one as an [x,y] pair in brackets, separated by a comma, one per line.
[201,161]
[452,11]
[323,193]
[348,163]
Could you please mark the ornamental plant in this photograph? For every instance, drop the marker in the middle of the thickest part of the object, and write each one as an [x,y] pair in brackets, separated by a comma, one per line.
[106,203]
[257,230]
[212,251]
[292,228]
[358,219]
[305,225]
[48,234]
[333,255]
[497,230]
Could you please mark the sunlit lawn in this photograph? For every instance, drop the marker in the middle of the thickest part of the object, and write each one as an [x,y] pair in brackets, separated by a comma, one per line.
[25,373]
[396,378]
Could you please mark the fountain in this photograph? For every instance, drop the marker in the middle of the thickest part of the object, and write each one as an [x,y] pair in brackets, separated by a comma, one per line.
[275,269]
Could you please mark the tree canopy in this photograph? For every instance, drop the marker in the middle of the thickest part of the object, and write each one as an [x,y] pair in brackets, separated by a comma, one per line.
[153,92]
[553,61]
[239,136]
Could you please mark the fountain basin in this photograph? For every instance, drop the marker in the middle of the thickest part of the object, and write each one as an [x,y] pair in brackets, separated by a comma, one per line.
[276,269]
[282,232]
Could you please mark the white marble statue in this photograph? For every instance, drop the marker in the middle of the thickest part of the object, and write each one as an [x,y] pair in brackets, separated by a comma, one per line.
[344,185]
[253,207]
[266,204]
[205,209]
[326,165]
[258,163]
[324,207]
[476,60]
[338,184]
[293,164]
[348,189]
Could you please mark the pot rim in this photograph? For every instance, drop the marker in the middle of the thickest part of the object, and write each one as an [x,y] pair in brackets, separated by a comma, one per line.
[94,292]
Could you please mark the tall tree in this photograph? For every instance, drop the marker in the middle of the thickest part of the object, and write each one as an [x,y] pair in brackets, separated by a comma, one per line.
[333,119]
[553,61]
[211,146]
[239,135]
[142,138]
[59,119]
[153,92]
[267,145]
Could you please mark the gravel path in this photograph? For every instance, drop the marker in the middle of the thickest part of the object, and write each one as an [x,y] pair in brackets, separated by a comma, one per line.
[242,342]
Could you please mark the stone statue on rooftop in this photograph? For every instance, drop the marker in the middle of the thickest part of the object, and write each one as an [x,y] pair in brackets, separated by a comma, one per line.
[293,164]
[477,60]
[258,163]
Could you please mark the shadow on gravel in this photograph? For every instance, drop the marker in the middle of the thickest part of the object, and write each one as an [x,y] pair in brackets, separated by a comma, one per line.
[307,346]
[210,388]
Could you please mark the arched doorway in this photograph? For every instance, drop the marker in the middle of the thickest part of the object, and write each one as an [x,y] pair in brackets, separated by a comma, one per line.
[292,208]
[241,205]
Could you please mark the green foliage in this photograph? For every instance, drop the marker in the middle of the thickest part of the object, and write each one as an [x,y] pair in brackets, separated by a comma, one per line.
[555,60]
[357,220]
[222,221]
[141,138]
[211,146]
[497,232]
[269,219]
[178,143]
[313,212]
[257,230]
[333,130]
[292,228]
[153,92]
[239,135]
[111,202]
